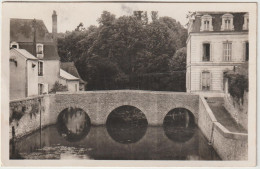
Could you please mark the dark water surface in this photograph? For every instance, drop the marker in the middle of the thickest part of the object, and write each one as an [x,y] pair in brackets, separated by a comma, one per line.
[155,144]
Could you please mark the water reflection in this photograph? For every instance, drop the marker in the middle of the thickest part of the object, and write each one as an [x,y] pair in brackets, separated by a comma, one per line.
[100,146]
[179,125]
[126,124]
[73,124]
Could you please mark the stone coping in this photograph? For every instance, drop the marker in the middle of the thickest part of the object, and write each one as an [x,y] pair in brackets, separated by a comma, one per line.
[27,98]
[232,135]
[209,111]
[223,130]
[129,91]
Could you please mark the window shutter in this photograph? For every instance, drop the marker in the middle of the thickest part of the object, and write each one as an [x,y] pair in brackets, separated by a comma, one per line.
[210,80]
[200,85]
[231,48]
[211,52]
[223,50]
[244,52]
[201,52]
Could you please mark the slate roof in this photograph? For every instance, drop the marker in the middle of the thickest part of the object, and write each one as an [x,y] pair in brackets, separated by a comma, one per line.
[238,21]
[22,32]
[22,53]
[67,76]
[70,68]
[50,51]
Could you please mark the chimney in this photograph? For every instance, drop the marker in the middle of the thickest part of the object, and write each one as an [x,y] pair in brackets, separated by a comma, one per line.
[54,25]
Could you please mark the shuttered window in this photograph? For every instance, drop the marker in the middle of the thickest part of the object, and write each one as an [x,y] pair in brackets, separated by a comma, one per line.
[247,51]
[227,51]
[40,68]
[205,80]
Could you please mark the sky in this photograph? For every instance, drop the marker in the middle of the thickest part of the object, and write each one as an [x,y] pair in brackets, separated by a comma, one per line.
[71,14]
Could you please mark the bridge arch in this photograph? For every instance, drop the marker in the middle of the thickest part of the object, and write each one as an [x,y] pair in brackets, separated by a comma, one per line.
[62,107]
[112,108]
[73,123]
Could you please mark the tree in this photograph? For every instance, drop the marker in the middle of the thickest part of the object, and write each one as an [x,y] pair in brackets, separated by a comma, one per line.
[121,52]
[154,15]
[178,61]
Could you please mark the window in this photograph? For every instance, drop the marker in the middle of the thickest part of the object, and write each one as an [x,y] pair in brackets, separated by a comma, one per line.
[206,52]
[246,51]
[205,81]
[39,50]
[14,45]
[206,23]
[227,22]
[40,68]
[227,51]
[76,87]
[246,22]
[40,89]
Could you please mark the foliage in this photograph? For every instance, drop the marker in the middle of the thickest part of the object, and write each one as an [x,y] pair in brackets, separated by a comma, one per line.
[119,50]
[57,87]
[178,61]
[237,85]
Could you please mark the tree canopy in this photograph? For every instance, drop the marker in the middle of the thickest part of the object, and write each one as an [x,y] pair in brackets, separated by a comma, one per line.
[128,52]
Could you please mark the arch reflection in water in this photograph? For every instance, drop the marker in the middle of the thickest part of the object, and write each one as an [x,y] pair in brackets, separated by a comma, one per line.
[73,124]
[179,125]
[126,124]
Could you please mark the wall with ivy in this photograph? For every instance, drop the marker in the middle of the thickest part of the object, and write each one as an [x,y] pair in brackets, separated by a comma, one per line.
[25,116]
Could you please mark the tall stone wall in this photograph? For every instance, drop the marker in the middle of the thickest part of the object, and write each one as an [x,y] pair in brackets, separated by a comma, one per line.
[238,110]
[229,145]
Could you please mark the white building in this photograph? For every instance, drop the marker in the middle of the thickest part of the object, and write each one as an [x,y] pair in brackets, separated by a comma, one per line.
[23,74]
[217,42]
[69,80]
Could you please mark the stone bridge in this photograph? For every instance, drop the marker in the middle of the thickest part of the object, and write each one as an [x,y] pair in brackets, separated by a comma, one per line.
[99,104]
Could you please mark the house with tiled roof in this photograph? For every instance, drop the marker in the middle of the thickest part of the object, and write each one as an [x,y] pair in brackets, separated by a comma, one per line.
[70,67]
[32,36]
[217,42]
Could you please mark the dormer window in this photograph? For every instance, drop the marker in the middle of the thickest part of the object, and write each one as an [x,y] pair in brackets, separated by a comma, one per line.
[206,23]
[227,22]
[246,22]
[14,45]
[39,50]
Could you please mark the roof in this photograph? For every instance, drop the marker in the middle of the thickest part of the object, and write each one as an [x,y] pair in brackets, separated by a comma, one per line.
[22,53]
[50,51]
[67,76]
[21,30]
[238,21]
[71,68]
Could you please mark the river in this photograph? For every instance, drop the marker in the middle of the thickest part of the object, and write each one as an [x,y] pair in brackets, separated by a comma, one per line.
[155,144]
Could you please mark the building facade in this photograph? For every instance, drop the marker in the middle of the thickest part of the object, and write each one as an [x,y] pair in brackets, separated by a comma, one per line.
[31,38]
[70,81]
[70,68]
[23,69]
[217,43]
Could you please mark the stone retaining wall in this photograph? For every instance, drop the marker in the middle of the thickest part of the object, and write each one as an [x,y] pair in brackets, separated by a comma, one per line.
[238,111]
[229,145]
[25,115]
